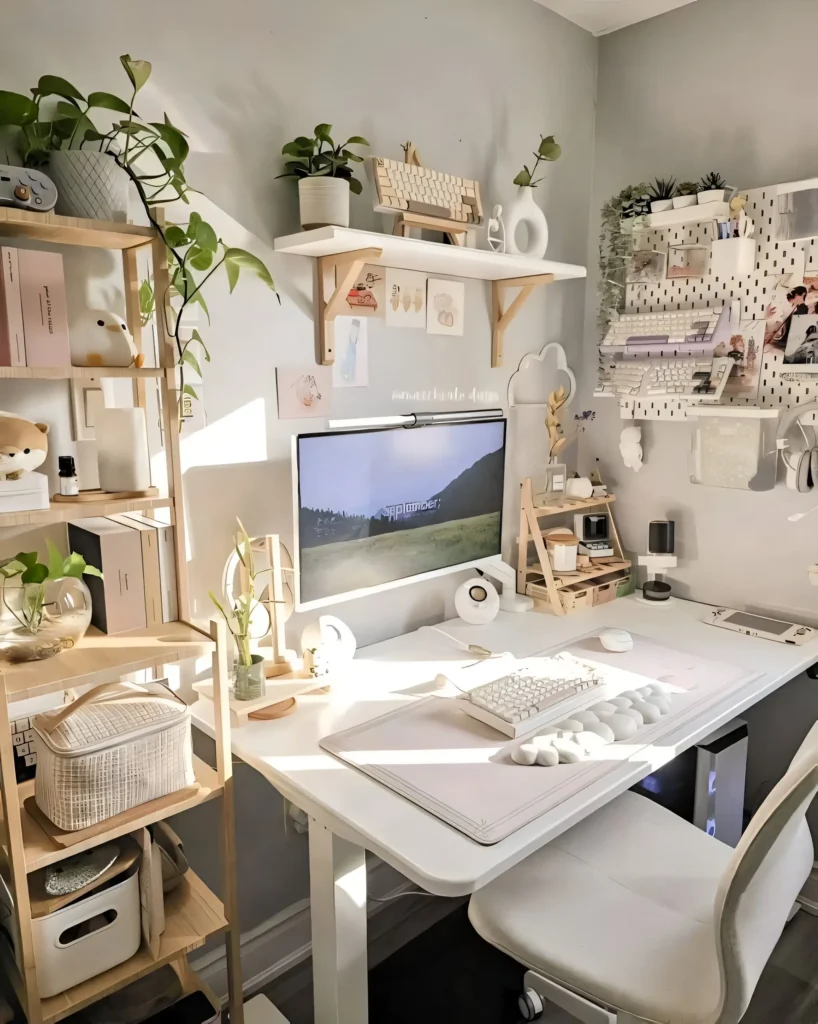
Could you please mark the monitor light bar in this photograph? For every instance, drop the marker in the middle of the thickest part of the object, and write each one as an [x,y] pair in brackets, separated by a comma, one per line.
[417,419]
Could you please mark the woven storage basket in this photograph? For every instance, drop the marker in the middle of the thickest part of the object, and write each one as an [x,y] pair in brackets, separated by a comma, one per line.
[113,748]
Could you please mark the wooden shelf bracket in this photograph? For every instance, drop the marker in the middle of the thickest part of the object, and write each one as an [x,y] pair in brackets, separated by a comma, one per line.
[336,275]
[501,319]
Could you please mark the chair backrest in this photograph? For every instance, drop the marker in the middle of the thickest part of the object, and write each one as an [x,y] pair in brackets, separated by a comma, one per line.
[766,873]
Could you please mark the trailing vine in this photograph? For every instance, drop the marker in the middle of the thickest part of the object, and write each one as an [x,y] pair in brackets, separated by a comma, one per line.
[616,248]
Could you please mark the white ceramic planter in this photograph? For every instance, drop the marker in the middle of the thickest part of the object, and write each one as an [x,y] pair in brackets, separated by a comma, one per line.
[713,195]
[89,184]
[523,210]
[683,202]
[323,201]
[661,205]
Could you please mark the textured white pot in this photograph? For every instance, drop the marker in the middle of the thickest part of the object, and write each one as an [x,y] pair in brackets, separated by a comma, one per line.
[661,205]
[713,195]
[524,210]
[323,201]
[682,202]
[89,184]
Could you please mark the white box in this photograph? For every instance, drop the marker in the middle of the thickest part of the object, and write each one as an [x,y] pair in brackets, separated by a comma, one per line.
[733,257]
[62,963]
[23,495]
[12,335]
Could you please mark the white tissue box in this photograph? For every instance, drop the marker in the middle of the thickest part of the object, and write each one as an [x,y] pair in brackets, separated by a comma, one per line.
[23,495]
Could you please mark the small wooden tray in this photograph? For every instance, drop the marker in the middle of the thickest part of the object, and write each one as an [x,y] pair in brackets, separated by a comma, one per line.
[69,839]
[76,499]
[43,903]
[278,702]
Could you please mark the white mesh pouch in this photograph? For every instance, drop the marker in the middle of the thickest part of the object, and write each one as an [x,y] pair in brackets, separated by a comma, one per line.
[115,747]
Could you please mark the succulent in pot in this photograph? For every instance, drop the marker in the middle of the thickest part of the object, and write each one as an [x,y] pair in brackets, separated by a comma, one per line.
[661,194]
[687,194]
[713,189]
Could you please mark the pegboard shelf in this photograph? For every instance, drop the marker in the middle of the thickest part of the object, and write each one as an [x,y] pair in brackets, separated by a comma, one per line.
[683,218]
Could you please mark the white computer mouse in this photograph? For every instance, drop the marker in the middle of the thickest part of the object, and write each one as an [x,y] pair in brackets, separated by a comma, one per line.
[616,640]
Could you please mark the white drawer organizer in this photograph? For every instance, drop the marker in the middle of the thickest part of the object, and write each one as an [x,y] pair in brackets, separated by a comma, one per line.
[85,938]
[774,259]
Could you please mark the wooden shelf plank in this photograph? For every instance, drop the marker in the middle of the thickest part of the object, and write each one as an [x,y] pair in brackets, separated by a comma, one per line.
[77,372]
[431,257]
[563,580]
[62,511]
[99,658]
[192,915]
[50,227]
[40,850]
[572,505]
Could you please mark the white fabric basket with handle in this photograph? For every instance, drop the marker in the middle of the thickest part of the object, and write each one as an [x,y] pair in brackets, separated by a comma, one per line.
[115,747]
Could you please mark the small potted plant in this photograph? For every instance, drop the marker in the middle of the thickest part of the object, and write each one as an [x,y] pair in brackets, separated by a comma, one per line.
[249,681]
[713,189]
[661,195]
[687,194]
[48,608]
[324,175]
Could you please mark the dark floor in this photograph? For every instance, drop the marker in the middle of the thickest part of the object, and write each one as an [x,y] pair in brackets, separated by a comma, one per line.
[448,975]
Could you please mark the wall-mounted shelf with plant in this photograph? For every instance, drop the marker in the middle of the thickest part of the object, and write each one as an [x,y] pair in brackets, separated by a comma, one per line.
[325,177]
[55,130]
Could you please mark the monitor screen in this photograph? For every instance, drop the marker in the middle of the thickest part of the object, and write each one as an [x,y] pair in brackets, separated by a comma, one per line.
[378,507]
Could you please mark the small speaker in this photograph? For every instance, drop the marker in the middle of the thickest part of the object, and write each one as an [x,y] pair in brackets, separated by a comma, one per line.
[662,537]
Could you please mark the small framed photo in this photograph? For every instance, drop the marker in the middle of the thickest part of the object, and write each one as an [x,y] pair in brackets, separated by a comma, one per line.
[648,266]
[86,401]
[555,478]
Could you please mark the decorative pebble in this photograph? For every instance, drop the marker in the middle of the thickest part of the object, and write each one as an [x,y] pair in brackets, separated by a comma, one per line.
[604,709]
[634,714]
[620,702]
[548,757]
[649,712]
[525,754]
[569,752]
[603,730]
[623,726]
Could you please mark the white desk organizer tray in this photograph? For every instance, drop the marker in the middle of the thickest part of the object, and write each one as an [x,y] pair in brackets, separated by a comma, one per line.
[83,939]
[461,770]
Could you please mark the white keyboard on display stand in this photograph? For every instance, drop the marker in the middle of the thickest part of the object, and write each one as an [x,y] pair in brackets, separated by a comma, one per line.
[686,380]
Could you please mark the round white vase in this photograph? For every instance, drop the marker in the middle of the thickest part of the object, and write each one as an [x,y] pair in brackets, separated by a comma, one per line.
[323,200]
[523,210]
[89,184]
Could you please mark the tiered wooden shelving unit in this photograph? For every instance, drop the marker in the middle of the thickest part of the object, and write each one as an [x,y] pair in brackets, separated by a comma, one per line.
[563,593]
[193,913]
[342,252]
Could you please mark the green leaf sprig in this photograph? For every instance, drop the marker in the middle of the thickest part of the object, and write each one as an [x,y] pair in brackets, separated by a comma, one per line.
[548,150]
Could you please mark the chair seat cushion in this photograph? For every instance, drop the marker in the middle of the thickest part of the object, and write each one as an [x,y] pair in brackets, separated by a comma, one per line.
[621,909]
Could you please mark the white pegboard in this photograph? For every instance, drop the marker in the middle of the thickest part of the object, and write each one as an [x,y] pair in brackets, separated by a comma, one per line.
[774,259]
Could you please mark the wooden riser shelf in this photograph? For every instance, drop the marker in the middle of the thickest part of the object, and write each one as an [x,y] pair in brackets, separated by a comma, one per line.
[62,511]
[192,914]
[50,227]
[41,850]
[571,505]
[77,372]
[564,580]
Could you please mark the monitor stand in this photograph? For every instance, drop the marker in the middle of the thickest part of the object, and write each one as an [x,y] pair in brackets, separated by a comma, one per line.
[510,600]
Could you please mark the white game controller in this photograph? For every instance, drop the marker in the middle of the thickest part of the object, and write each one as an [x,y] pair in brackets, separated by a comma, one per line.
[26,189]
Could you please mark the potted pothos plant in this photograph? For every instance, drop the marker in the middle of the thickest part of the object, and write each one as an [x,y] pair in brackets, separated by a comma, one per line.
[46,606]
[325,177]
[151,156]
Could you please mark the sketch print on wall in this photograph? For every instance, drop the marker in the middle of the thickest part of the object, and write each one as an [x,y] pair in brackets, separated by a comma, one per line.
[367,297]
[792,321]
[304,393]
[350,369]
[406,298]
[446,302]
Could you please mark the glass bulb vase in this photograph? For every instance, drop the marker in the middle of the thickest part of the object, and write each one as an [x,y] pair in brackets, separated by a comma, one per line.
[39,620]
[249,681]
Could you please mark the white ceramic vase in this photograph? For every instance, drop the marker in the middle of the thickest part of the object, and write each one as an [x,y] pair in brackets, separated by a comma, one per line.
[713,195]
[683,202]
[523,210]
[89,184]
[661,205]
[323,200]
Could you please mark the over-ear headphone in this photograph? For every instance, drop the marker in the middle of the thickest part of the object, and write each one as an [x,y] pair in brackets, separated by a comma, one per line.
[801,463]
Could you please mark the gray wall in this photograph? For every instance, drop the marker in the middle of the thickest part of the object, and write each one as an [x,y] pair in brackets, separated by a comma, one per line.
[473,83]
[695,90]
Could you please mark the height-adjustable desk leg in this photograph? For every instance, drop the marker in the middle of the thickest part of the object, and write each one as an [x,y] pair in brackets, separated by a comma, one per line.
[338,916]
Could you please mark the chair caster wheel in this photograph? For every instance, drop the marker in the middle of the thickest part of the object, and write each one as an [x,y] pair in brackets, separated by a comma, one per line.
[530,1005]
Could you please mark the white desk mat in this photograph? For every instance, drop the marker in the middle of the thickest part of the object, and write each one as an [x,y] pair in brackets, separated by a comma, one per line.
[460,769]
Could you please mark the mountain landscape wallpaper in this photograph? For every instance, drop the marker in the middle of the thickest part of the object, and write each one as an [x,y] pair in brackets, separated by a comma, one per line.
[379,506]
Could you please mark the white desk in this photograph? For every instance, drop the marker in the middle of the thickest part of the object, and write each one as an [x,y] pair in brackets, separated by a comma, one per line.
[350,812]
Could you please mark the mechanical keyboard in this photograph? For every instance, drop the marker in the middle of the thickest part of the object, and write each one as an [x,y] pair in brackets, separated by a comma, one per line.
[517,703]
[685,380]
[687,332]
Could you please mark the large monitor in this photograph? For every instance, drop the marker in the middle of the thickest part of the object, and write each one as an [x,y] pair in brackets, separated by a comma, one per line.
[378,508]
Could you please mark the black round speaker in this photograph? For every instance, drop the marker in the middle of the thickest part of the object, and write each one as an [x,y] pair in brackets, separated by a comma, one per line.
[655,590]
[662,537]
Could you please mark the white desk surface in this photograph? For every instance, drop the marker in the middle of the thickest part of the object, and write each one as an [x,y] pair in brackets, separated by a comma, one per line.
[416,843]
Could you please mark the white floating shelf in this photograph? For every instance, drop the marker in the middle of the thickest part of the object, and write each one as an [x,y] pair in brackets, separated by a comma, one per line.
[689,215]
[429,257]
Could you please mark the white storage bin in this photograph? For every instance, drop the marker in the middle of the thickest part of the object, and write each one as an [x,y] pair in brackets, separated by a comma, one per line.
[733,257]
[64,960]
[115,747]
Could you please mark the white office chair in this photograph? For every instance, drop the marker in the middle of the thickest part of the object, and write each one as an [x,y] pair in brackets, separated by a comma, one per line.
[635,915]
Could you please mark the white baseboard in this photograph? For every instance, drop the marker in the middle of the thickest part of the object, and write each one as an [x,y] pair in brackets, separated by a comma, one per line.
[281,943]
